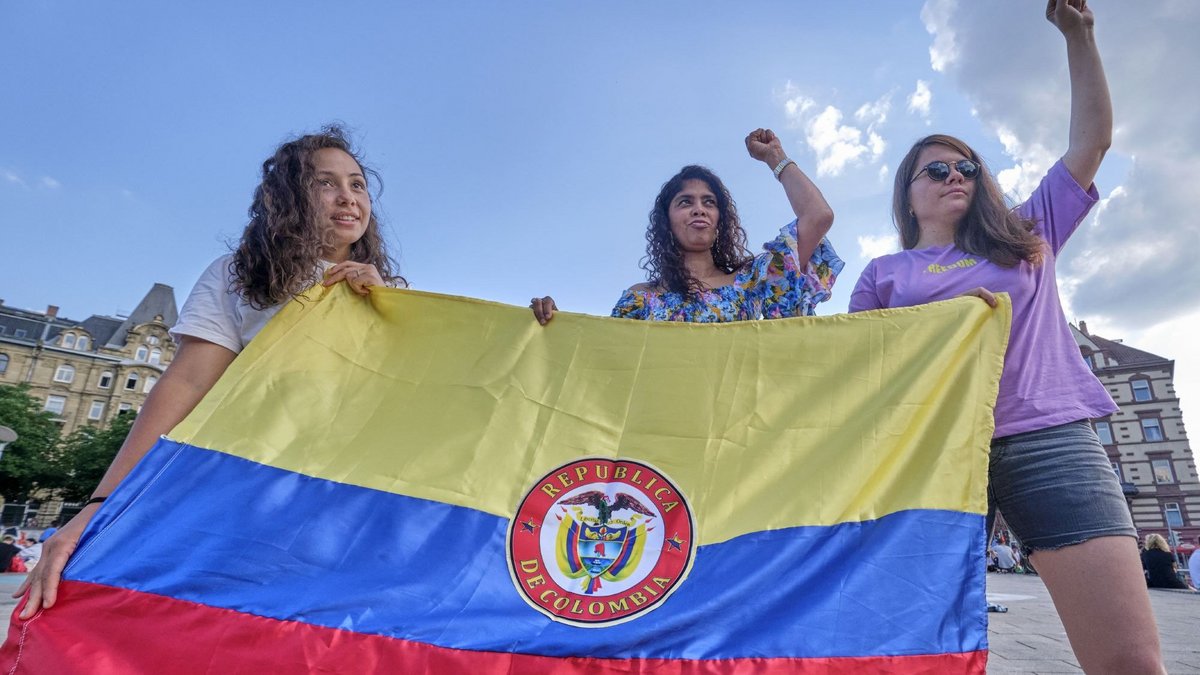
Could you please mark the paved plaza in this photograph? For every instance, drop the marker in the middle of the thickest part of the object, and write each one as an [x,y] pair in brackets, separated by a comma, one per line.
[1027,639]
[1031,639]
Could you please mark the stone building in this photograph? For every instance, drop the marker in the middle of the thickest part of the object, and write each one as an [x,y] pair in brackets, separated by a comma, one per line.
[1146,440]
[86,372]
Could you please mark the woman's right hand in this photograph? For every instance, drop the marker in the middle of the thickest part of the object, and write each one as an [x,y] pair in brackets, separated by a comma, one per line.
[42,582]
[543,309]
[764,145]
[197,365]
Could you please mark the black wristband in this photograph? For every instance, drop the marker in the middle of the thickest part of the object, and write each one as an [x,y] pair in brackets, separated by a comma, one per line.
[94,500]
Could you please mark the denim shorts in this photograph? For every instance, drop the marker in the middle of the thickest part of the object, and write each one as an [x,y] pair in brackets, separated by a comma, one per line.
[1056,487]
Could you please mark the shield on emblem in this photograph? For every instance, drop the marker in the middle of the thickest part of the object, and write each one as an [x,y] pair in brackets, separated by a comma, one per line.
[600,547]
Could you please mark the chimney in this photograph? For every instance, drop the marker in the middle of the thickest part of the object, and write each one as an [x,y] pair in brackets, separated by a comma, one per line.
[1083,328]
[51,311]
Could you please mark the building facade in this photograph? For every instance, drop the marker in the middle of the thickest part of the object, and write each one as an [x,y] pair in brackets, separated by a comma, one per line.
[86,372]
[1146,440]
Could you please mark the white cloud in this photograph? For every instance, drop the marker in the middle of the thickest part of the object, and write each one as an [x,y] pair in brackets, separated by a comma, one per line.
[49,182]
[937,16]
[919,101]
[1033,160]
[12,177]
[875,112]
[836,143]
[873,246]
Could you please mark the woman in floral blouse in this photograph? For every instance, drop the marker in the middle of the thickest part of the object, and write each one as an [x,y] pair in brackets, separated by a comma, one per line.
[696,257]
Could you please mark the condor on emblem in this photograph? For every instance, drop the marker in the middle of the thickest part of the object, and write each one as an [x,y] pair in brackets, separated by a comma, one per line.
[598,541]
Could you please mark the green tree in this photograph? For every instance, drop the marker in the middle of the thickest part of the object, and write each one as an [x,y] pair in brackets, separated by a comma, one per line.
[28,463]
[82,457]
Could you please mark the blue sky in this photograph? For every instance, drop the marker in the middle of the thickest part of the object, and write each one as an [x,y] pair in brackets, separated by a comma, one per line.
[521,144]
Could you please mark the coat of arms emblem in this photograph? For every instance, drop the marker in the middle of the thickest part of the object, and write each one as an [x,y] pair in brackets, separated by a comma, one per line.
[600,541]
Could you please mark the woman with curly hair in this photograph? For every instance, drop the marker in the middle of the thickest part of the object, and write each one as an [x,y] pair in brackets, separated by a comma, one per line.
[1048,473]
[310,221]
[696,258]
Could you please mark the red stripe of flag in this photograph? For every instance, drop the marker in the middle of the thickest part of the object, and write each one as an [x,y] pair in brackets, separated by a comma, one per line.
[104,630]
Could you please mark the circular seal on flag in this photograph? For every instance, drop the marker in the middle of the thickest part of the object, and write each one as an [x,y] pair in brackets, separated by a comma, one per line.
[597,542]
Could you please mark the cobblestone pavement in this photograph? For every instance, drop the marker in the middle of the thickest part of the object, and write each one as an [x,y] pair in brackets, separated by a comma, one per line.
[1030,638]
[1027,639]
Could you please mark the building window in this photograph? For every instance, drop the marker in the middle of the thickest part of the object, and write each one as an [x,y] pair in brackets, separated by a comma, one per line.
[124,408]
[105,380]
[20,332]
[1117,470]
[82,344]
[97,410]
[64,374]
[1152,429]
[141,354]
[56,404]
[1104,433]
[1174,516]
[131,382]
[152,340]
[155,356]
[68,340]
[1141,390]
[150,382]
[1097,361]
[3,363]
[1162,471]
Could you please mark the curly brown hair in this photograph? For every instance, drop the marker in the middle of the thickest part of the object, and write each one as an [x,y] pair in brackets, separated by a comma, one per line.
[664,261]
[990,228]
[279,254]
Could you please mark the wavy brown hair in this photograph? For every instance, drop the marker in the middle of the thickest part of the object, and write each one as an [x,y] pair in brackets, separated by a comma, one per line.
[664,261]
[990,227]
[279,254]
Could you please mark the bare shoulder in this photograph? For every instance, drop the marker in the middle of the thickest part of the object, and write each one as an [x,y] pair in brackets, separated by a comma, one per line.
[644,287]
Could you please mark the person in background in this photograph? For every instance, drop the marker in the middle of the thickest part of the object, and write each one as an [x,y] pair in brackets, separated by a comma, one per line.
[1160,564]
[49,531]
[1005,560]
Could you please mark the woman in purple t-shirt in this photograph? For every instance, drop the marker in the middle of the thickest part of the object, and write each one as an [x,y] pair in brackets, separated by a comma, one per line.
[1048,473]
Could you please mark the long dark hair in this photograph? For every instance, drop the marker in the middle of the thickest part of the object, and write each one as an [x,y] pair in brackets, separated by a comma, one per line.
[990,227]
[279,254]
[664,261]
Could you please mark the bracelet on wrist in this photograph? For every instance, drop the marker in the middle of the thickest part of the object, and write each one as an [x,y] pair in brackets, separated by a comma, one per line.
[781,166]
[94,500]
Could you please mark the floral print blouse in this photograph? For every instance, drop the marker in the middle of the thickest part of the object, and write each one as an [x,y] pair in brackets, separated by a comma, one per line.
[772,286]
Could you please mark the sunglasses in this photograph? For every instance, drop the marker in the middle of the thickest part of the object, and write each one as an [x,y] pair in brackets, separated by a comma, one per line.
[940,171]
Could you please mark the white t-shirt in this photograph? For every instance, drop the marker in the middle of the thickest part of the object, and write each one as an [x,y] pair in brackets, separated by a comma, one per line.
[1194,568]
[215,312]
[1004,557]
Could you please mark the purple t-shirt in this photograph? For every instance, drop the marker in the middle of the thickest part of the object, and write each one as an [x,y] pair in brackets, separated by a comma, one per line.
[1045,380]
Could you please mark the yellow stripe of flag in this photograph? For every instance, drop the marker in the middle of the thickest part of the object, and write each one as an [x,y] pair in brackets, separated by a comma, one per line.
[761,424]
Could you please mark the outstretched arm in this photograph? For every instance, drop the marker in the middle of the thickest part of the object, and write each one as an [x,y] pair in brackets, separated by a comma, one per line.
[813,215]
[194,370]
[1091,105]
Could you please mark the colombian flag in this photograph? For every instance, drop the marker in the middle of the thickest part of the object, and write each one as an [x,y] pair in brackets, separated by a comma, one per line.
[417,483]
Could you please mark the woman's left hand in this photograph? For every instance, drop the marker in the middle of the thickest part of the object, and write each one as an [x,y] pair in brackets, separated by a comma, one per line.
[981,293]
[1069,15]
[360,276]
